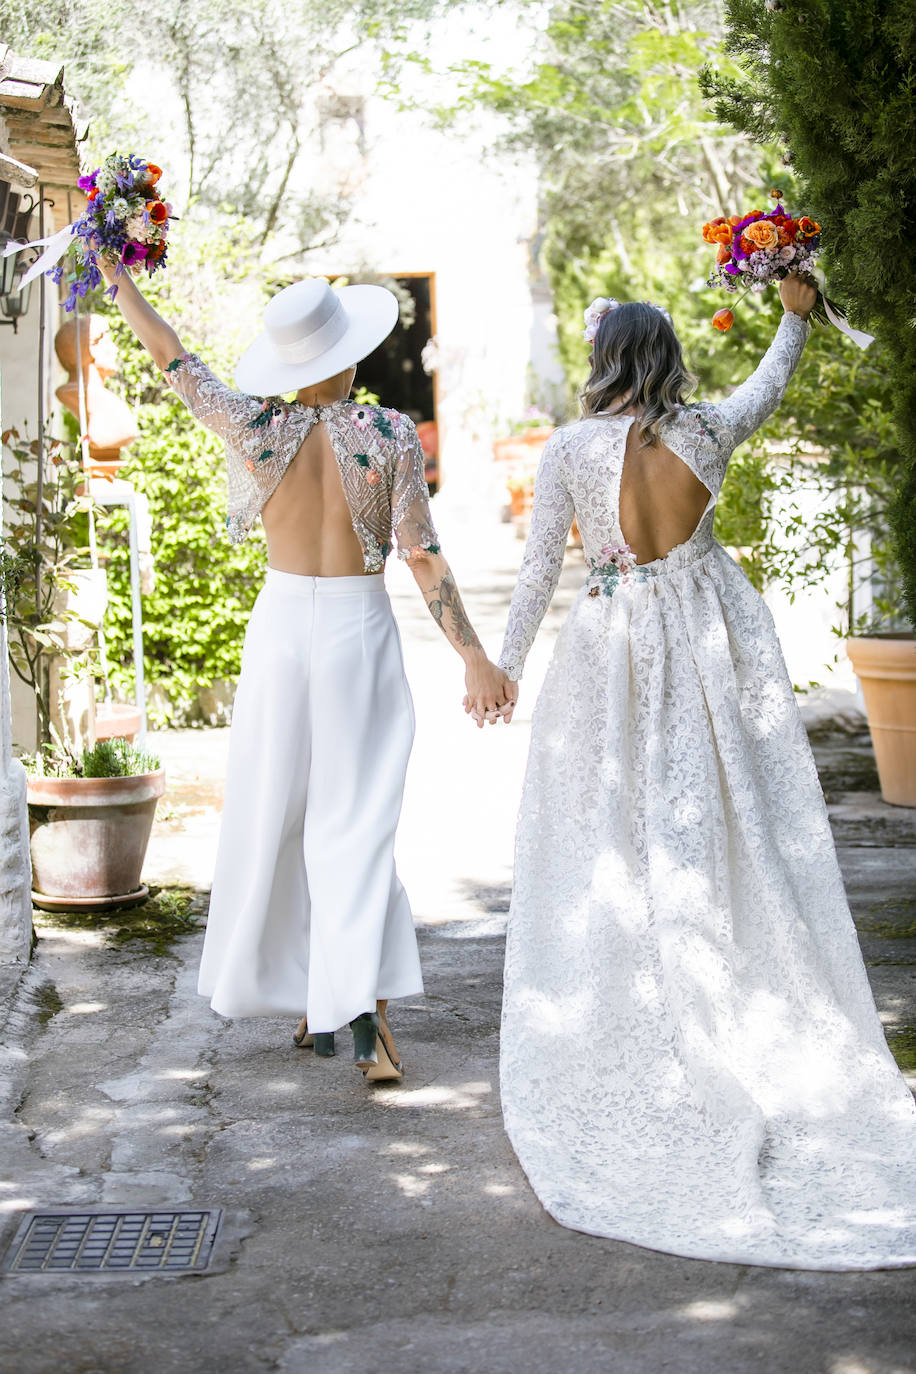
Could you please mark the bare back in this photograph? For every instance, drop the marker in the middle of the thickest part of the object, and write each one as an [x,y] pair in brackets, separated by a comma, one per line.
[307,521]
[661,500]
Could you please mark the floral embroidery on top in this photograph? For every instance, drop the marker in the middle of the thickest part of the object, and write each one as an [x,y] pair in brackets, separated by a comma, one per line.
[382,421]
[271,413]
[378,456]
[705,429]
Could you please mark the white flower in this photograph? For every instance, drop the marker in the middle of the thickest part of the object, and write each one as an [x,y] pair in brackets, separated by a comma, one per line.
[599,307]
[786,255]
[120,207]
[137,228]
[759,285]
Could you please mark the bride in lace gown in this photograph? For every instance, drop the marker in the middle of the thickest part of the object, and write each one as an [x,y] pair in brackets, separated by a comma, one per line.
[691,1058]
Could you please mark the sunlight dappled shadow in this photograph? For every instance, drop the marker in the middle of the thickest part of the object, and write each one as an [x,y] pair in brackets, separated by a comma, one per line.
[453,1099]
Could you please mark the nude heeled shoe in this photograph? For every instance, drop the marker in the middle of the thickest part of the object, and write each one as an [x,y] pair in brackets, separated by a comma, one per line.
[374,1050]
[322,1043]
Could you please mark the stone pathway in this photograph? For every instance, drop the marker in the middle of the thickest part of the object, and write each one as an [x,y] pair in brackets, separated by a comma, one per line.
[391,1227]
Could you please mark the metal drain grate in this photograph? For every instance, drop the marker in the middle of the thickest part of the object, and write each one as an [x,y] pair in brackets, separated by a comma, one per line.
[89,1242]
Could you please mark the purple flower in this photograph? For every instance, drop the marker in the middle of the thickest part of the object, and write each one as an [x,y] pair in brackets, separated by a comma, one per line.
[134,252]
[86,183]
[732,268]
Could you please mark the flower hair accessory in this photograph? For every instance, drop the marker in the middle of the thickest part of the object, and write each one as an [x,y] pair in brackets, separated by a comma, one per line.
[603,305]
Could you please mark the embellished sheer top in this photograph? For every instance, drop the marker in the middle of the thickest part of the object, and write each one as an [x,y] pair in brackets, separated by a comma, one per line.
[579,474]
[378,456]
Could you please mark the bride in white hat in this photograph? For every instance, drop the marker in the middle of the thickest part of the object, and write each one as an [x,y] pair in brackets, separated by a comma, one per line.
[307,912]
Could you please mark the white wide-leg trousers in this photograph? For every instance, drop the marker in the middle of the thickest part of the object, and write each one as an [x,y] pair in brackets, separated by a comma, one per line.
[307,915]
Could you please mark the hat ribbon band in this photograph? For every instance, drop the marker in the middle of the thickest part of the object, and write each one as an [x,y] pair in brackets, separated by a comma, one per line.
[312,345]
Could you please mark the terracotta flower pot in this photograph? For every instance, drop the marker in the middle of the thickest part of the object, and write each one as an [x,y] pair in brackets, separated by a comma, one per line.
[886,667]
[523,447]
[117,720]
[89,838]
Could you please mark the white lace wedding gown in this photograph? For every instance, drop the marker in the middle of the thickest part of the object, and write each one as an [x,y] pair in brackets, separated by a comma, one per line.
[691,1058]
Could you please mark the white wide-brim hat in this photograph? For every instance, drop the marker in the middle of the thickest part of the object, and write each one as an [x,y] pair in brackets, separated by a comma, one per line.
[312,332]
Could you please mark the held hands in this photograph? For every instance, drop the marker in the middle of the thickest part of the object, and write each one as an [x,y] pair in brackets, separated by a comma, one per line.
[491,696]
[798,295]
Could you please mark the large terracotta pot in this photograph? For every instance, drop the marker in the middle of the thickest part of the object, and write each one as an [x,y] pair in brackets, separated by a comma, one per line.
[523,447]
[89,838]
[886,667]
[117,720]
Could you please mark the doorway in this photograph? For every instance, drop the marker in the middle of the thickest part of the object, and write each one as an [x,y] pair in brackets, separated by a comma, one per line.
[394,371]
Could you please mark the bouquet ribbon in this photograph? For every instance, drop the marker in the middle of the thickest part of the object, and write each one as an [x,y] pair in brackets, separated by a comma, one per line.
[55,246]
[841,322]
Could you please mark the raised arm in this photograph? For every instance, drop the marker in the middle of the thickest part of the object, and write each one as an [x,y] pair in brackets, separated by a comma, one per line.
[157,337]
[241,421]
[551,518]
[488,689]
[754,400]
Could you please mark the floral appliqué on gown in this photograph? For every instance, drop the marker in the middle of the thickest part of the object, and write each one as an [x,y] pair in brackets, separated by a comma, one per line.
[691,1057]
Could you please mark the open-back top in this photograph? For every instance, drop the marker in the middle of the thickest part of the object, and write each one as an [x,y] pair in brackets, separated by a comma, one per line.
[378,454]
[579,474]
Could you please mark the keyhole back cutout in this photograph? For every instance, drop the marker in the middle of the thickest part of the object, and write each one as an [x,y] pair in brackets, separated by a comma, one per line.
[661,501]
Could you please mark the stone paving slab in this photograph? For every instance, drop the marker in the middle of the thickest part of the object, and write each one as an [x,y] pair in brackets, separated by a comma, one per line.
[387,1227]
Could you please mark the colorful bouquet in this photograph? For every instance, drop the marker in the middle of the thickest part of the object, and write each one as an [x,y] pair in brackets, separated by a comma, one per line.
[126,219]
[757,249]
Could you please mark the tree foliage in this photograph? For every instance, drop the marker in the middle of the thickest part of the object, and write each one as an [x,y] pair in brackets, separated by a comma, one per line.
[835,81]
[633,158]
[235,92]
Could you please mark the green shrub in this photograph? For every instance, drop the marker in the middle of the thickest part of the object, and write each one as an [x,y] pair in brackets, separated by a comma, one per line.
[194,618]
[108,758]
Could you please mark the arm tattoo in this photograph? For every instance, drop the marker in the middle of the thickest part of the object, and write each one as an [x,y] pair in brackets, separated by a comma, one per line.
[446,597]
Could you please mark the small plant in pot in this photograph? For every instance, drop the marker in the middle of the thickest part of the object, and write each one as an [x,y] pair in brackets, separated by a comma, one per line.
[90,818]
[90,810]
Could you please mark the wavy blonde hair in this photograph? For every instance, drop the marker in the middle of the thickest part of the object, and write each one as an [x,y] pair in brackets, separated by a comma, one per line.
[637,363]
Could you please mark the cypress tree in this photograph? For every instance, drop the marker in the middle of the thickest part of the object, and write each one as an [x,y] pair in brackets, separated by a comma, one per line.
[835,82]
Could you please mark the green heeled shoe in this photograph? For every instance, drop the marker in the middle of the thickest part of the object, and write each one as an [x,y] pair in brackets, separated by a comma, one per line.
[322,1043]
[371,1049]
[365,1039]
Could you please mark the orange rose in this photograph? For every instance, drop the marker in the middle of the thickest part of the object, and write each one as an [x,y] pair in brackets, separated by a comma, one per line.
[785,235]
[723,320]
[724,253]
[735,219]
[157,211]
[157,250]
[746,245]
[717,231]
[763,234]
[808,227]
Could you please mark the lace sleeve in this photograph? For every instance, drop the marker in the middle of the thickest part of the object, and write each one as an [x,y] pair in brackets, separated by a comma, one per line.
[705,435]
[754,400]
[551,519]
[259,435]
[411,520]
[212,402]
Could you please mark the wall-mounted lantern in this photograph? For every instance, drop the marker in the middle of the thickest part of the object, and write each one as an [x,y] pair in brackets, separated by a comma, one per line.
[14,300]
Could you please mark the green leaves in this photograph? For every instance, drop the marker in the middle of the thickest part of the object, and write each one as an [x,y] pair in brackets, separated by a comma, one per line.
[836,80]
